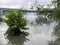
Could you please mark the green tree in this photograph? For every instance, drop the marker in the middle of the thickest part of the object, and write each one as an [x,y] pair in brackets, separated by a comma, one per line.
[56,14]
[15,21]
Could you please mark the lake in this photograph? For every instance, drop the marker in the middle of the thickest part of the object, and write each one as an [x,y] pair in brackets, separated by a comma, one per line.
[40,31]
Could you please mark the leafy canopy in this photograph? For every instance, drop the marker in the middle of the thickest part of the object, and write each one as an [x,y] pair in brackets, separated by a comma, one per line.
[56,13]
[15,19]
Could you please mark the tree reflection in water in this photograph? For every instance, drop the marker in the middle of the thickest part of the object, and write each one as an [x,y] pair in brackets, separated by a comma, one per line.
[56,32]
[16,40]
[1,18]
[47,19]
[44,19]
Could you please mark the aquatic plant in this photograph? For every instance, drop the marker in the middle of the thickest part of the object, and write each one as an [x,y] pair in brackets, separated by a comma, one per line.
[15,21]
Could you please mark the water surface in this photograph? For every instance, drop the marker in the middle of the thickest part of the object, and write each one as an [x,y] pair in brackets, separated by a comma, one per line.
[39,33]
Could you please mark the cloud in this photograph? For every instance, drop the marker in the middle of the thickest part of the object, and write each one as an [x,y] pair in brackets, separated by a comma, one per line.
[19,3]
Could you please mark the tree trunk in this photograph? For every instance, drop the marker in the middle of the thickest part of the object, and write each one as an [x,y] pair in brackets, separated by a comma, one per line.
[17,31]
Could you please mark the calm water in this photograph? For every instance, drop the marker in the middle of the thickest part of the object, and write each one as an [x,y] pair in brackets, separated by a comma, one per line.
[40,32]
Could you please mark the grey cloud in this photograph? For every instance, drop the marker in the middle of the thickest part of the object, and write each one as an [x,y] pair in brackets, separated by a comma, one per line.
[22,2]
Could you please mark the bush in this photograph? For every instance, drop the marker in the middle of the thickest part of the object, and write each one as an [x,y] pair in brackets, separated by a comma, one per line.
[15,21]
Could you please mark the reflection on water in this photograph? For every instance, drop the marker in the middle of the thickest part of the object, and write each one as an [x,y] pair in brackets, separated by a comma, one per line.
[57,33]
[38,34]
[17,40]
[0,18]
[44,19]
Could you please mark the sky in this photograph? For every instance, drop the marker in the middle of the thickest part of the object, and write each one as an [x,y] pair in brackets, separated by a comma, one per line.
[20,3]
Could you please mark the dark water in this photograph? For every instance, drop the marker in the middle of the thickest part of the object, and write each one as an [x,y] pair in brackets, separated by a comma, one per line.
[40,32]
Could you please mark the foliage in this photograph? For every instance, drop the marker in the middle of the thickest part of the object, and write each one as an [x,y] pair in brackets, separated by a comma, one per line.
[14,19]
[56,14]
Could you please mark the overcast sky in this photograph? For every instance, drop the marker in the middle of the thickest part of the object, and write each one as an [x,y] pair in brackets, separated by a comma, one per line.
[19,3]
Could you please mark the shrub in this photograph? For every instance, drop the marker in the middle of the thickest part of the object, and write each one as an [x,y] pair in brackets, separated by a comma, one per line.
[15,21]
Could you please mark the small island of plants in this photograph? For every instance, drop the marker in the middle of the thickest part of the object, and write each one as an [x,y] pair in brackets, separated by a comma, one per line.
[15,21]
